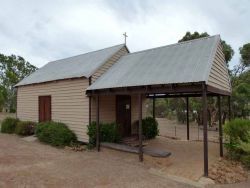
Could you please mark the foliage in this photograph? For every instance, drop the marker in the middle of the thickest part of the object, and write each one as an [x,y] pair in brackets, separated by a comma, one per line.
[237,134]
[12,70]
[241,95]
[245,54]
[227,50]
[8,125]
[108,133]
[188,36]
[55,134]
[25,128]
[3,97]
[92,134]
[243,64]
[237,130]
[150,127]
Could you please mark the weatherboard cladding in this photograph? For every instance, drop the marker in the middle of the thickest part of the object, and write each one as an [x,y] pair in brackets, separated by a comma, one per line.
[73,67]
[109,63]
[69,104]
[219,77]
[184,62]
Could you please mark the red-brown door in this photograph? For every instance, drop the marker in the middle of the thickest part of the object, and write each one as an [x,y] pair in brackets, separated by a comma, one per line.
[123,114]
[44,108]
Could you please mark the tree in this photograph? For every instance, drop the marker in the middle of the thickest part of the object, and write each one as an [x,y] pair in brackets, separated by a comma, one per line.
[3,97]
[245,54]
[243,65]
[12,70]
[241,95]
[240,78]
[188,36]
[227,49]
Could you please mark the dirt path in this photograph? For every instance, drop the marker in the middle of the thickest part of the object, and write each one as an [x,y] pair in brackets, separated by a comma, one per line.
[32,164]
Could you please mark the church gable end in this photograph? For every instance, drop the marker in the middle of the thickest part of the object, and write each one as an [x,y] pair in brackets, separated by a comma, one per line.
[110,62]
[218,76]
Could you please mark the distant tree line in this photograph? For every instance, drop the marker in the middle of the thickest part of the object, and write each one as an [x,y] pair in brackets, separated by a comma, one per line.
[12,70]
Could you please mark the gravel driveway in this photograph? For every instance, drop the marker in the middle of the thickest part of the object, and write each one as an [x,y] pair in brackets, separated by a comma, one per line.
[32,164]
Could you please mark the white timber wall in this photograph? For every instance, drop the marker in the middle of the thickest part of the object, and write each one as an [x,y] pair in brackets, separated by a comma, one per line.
[219,77]
[107,109]
[69,103]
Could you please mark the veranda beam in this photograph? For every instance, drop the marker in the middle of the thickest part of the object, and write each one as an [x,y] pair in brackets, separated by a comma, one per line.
[220,127]
[204,118]
[97,124]
[187,118]
[140,128]
[169,88]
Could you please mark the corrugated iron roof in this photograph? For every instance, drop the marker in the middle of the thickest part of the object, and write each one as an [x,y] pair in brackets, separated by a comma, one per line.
[184,62]
[73,67]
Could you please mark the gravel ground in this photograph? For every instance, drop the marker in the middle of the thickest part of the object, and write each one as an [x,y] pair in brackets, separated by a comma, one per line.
[186,159]
[32,164]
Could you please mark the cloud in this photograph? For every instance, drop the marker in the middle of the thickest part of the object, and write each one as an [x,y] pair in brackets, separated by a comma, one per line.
[43,31]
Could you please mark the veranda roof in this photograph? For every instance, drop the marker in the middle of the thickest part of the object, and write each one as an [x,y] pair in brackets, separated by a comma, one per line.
[184,62]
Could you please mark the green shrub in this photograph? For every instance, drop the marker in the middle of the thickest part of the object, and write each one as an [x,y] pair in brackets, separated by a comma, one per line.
[25,128]
[108,133]
[237,136]
[8,125]
[92,135]
[237,132]
[238,129]
[55,134]
[150,127]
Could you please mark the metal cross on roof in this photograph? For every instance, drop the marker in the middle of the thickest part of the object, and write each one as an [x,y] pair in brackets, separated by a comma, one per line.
[125,37]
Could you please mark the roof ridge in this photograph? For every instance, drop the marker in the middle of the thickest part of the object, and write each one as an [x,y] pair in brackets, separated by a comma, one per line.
[175,44]
[86,53]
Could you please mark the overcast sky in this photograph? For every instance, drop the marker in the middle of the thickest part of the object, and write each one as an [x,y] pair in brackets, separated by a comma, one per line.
[46,30]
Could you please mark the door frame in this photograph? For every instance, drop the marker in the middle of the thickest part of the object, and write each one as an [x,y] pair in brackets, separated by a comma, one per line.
[39,111]
[130,114]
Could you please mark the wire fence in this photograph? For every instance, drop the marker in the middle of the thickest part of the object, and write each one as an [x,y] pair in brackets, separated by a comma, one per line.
[174,130]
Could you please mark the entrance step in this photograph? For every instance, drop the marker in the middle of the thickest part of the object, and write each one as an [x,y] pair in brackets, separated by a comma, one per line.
[149,151]
[132,141]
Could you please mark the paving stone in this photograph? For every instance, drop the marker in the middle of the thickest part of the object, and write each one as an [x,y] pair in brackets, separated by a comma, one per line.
[30,138]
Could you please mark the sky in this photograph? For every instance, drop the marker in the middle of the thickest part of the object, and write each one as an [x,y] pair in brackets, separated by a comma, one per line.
[47,30]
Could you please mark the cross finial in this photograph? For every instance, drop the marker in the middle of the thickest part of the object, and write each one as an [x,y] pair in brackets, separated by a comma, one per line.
[125,37]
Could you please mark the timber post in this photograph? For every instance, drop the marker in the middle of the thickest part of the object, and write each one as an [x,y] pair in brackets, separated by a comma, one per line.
[220,127]
[97,124]
[205,141]
[140,128]
[187,118]
[154,106]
